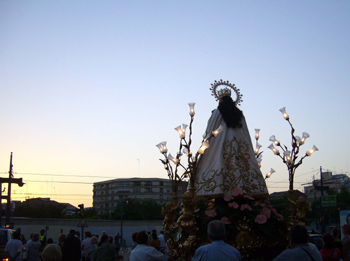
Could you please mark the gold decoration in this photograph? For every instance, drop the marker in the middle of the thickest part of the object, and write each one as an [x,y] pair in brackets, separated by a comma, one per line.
[187,222]
[237,172]
[169,211]
[301,208]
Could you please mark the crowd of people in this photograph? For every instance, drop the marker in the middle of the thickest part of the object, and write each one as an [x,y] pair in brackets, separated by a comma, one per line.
[67,247]
[333,248]
[151,246]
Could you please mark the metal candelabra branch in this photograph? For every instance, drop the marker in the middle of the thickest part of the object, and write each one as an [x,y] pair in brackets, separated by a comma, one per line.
[177,174]
[289,158]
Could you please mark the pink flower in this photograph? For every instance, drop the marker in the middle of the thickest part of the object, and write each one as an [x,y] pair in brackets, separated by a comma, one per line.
[246,206]
[227,197]
[210,213]
[226,220]
[266,212]
[249,197]
[196,210]
[233,205]
[236,192]
[261,219]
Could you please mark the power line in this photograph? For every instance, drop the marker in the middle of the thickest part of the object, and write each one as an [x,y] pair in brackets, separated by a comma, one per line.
[73,182]
[60,175]
[51,194]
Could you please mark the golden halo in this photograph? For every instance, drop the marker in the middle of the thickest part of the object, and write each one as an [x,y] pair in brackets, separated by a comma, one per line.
[218,94]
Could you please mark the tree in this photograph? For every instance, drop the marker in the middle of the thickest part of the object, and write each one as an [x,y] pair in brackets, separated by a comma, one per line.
[133,210]
[41,211]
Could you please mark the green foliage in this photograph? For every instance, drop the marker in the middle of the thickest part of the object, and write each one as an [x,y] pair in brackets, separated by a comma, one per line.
[42,211]
[134,210]
[90,213]
[343,198]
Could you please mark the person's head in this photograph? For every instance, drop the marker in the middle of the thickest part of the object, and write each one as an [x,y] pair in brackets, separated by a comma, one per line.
[328,241]
[35,237]
[16,235]
[18,230]
[162,232]
[72,231]
[50,241]
[103,233]
[230,113]
[87,234]
[51,252]
[94,240]
[298,235]
[42,232]
[154,236]
[142,238]
[104,238]
[61,237]
[77,233]
[346,229]
[335,232]
[110,239]
[154,231]
[133,236]
[216,230]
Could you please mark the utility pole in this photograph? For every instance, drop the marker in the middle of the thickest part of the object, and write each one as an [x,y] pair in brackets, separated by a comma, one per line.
[8,204]
[322,210]
[8,180]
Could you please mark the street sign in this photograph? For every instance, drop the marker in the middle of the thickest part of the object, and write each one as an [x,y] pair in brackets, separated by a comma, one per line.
[329,201]
[82,223]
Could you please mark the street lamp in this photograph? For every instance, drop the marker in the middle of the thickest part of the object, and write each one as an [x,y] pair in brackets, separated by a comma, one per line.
[289,157]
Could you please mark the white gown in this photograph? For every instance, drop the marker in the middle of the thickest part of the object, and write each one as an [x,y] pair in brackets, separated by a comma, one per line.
[229,163]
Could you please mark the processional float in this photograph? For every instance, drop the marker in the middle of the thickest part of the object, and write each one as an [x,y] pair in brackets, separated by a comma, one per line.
[225,183]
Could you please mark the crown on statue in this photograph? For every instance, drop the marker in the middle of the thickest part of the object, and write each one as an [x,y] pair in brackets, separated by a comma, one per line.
[219,93]
[223,92]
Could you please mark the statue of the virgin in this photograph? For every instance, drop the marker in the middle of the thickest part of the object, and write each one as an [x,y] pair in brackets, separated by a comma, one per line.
[229,163]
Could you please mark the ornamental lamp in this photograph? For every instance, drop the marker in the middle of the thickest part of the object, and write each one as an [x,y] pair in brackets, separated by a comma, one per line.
[258,146]
[298,140]
[257,134]
[204,146]
[304,137]
[217,131]
[314,148]
[270,173]
[274,149]
[287,156]
[174,160]
[191,104]
[285,114]
[259,159]
[181,130]
[273,139]
[162,147]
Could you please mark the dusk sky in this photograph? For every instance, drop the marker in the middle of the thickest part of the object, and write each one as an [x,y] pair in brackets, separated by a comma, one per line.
[88,88]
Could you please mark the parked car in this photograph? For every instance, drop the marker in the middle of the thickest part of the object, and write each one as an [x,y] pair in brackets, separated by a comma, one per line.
[317,240]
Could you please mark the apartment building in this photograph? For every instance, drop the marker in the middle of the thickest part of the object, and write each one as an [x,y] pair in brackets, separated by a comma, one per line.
[107,194]
[329,181]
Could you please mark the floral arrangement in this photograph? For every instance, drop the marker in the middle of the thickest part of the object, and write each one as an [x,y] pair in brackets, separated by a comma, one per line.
[251,224]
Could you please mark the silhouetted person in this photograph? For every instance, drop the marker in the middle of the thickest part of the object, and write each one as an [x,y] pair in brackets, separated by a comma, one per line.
[217,249]
[301,249]
[71,247]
